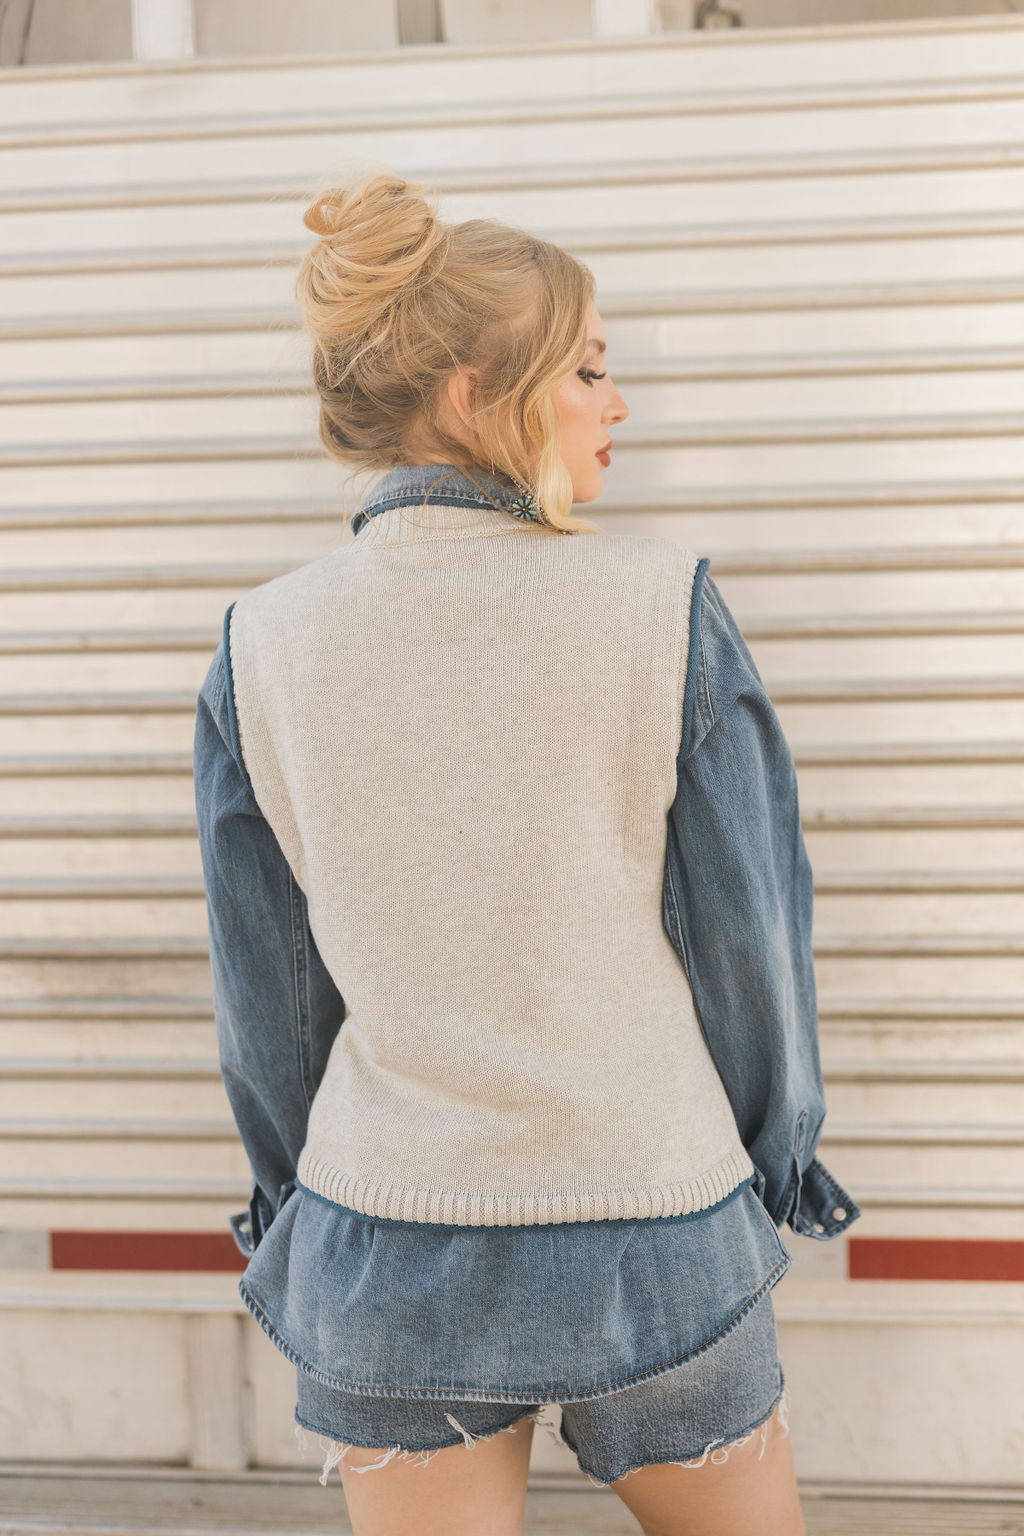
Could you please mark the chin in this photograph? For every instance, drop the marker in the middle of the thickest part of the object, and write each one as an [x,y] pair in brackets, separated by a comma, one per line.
[588,486]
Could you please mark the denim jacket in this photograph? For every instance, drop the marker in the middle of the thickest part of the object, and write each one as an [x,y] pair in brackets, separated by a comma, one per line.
[737,906]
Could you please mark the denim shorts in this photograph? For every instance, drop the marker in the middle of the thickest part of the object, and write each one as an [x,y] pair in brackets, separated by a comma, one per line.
[719,1396]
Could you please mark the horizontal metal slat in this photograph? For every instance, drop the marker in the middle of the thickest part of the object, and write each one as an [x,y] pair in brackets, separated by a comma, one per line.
[816,818]
[582,240]
[757,626]
[881,946]
[53,1010]
[614,306]
[259,442]
[918,882]
[808,754]
[116,1068]
[168,825]
[101,887]
[959,1134]
[603,173]
[766,562]
[716,102]
[618,500]
[77,1128]
[147,1189]
[918,1071]
[101,947]
[131,1068]
[880,1007]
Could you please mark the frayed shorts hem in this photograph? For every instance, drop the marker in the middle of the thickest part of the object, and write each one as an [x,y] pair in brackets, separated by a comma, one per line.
[715,1451]
[686,1415]
[336,1450]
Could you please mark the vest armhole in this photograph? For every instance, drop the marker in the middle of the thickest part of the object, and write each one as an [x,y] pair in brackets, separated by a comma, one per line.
[234,735]
[694,659]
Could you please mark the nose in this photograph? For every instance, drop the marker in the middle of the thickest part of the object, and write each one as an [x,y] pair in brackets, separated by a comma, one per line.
[619,410]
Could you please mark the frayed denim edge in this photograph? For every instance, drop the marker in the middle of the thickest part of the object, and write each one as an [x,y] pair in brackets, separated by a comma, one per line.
[336,1450]
[716,1450]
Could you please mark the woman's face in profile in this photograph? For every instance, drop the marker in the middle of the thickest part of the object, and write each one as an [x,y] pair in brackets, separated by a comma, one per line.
[588,406]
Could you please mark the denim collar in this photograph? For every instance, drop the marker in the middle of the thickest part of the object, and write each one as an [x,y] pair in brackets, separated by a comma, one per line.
[408,485]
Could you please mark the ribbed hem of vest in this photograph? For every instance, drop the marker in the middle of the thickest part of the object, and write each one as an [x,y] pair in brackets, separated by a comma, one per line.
[391,1202]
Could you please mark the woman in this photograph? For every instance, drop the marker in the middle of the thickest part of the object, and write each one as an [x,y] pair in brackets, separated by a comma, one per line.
[510,928]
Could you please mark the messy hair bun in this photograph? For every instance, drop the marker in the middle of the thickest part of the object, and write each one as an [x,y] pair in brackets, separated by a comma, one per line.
[396,300]
[376,241]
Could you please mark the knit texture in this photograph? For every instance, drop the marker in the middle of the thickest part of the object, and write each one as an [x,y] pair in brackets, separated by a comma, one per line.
[463,731]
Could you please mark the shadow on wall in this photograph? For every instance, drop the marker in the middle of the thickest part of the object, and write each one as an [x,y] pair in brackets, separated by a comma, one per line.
[680,15]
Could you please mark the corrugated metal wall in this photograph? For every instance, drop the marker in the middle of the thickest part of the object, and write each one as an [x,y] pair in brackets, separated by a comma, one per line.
[808,248]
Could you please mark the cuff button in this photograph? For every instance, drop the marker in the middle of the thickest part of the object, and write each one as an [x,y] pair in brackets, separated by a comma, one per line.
[840,1213]
[818,1227]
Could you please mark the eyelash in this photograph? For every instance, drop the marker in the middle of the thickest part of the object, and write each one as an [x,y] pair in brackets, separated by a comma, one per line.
[588,375]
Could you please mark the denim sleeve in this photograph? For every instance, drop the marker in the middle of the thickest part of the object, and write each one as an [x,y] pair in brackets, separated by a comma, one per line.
[276,1007]
[738,908]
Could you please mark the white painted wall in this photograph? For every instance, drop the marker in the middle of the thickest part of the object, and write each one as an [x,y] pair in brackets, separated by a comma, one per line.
[162,29]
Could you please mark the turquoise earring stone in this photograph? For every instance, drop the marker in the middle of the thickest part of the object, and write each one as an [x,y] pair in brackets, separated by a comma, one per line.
[524,506]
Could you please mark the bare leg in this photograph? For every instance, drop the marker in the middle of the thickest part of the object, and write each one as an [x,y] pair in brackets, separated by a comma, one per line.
[746,1494]
[462,1490]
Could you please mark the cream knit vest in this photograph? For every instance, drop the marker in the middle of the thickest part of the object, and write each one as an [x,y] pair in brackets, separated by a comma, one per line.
[463,731]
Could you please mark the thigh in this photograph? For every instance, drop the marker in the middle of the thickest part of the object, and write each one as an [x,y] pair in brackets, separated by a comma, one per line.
[439,1467]
[752,1493]
[702,1449]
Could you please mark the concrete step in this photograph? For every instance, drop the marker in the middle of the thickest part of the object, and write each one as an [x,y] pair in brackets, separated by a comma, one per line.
[47,1501]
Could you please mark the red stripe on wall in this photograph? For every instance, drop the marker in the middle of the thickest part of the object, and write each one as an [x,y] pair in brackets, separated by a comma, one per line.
[935,1258]
[869,1258]
[145,1250]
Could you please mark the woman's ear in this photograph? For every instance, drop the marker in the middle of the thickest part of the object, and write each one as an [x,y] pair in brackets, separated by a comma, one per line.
[460,392]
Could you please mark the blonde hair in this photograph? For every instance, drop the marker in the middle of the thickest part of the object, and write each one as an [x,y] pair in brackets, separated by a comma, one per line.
[396,300]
